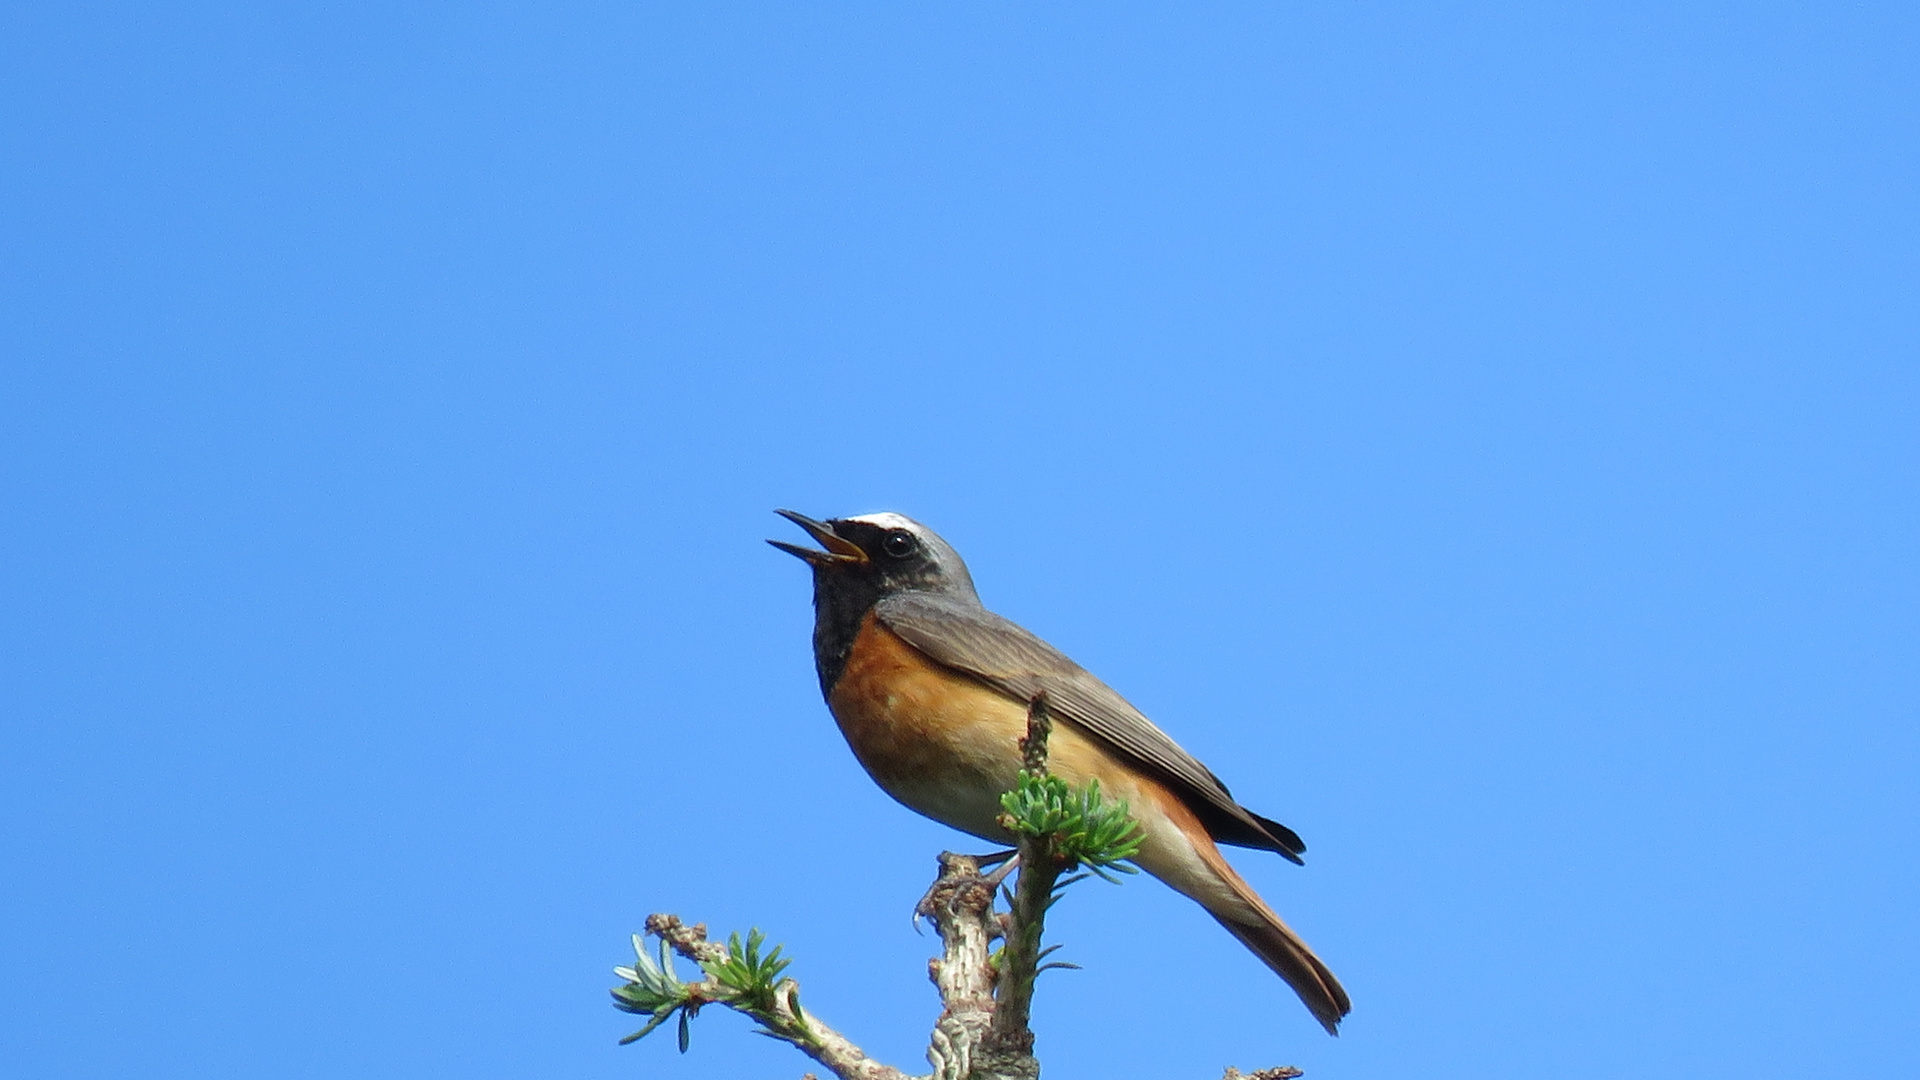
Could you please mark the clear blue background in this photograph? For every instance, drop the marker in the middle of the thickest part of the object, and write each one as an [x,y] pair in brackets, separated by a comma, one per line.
[1486,434]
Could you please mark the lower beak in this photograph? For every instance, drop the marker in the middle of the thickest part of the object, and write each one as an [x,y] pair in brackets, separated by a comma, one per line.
[839,551]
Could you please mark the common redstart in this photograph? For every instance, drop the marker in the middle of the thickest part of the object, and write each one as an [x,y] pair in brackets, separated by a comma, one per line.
[931,691]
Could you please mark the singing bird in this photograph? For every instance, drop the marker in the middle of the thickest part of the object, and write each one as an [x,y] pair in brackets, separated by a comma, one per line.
[931,691]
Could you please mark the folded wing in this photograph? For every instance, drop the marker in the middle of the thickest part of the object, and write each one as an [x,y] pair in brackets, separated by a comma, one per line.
[1005,656]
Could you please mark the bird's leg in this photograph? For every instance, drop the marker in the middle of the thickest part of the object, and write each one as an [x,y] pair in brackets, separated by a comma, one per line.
[1010,861]
[1009,857]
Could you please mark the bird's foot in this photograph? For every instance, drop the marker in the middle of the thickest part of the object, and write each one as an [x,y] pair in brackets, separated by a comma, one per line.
[960,876]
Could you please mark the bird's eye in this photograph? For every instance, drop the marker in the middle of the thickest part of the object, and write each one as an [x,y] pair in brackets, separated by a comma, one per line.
[899,544]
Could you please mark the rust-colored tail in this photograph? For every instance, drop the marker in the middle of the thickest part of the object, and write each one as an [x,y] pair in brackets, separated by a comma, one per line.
[1248,918]
[1178,850]
[1290,958]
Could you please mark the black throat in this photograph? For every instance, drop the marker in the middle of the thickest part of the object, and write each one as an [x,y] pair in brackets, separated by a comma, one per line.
[840,603]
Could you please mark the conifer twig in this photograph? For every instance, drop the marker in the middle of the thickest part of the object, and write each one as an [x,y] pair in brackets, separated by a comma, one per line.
[1040,869]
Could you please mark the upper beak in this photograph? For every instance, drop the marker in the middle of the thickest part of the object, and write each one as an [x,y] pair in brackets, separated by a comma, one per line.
[838,550]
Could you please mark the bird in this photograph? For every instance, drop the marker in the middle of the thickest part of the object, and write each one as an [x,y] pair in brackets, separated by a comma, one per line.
[932,690]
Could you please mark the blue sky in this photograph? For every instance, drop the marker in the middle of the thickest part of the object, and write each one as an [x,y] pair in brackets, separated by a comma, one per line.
[1485,434]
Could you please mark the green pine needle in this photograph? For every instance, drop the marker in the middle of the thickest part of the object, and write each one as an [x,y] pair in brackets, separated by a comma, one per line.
[652,989]
[1083,826]
[748,978]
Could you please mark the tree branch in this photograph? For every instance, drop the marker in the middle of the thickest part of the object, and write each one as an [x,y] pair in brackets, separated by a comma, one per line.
[1011,1037]
[776,1005]
[960,904]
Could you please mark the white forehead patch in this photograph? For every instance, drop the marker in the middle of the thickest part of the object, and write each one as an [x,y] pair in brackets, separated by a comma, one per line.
[891,521]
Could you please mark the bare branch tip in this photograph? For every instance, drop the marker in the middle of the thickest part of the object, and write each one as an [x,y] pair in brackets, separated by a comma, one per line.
[1033,748]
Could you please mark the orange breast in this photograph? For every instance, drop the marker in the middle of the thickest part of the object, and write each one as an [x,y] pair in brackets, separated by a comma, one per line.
[938,741]
[948,745]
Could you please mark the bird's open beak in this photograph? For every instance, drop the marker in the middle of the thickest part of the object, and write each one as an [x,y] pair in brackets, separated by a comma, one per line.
[839,551]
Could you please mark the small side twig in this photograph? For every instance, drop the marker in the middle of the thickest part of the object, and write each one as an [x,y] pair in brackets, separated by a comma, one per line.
[740,979]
